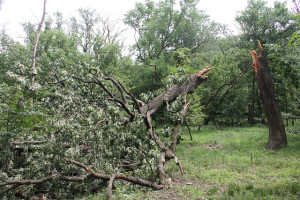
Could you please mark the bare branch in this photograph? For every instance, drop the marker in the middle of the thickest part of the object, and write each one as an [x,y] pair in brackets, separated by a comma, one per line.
[28,142]
[98,123]
[160,168]
[176,129]
[109,187]
[136,101]
[118,86]
[117,176]
[123,105]
[26,182]
[113,98]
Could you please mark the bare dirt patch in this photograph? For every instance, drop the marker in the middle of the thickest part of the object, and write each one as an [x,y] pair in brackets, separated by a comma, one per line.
[213,146]
[173,192]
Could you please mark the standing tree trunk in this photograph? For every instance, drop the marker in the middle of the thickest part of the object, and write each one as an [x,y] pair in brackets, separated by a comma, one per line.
[277,135]
[251,101]
[176,129]
[35,46]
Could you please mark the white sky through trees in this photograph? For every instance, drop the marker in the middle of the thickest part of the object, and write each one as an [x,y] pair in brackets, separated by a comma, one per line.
[15,12]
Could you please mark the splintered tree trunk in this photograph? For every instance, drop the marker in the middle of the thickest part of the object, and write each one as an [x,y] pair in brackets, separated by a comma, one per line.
[277,135]
[170,94]
[158,103]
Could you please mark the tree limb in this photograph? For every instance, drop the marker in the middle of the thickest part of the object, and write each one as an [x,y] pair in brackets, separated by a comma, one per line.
[117,176]
[109,187]
[42,180]
[110,94]
[169,95]
[28,142]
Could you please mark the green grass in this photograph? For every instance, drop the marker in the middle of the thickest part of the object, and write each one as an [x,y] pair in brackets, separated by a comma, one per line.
[237,165]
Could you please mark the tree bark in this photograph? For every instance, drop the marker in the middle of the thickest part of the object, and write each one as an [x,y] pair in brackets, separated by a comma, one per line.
[251,101]
[35,46]
[158,103]
[277,135]
[169,95]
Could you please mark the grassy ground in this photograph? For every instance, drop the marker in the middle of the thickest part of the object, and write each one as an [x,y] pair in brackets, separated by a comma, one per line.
[229,163]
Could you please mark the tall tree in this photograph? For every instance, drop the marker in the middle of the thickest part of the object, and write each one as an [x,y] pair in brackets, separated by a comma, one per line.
[224,95]
[85,27]
[164,27]
[269,24]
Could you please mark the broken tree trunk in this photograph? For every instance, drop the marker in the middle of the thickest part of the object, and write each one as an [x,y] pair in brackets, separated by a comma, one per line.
[158,103]
[169,95]
[277,135]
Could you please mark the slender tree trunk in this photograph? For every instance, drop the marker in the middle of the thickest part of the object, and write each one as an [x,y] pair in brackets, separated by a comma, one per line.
[277,135]
[251,101]
[187,125]
[35,46]
[178,125]
[199,127]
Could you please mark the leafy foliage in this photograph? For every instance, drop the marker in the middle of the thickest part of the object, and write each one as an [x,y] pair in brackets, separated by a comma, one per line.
[295,40]
[69,118]
[163,28]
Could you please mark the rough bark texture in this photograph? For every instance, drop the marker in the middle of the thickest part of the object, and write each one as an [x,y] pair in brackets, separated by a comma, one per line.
[106,177]
[172,93]
[159,102]
[277,135]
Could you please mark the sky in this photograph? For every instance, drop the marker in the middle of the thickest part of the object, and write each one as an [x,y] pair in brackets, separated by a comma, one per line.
[15,12]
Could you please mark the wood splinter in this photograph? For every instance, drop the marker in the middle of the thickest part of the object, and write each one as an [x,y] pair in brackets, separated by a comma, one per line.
[255,57]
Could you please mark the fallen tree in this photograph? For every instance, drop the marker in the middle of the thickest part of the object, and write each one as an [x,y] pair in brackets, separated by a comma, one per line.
[120,139]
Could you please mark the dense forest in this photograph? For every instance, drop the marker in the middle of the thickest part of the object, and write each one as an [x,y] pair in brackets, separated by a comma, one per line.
[77,112]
